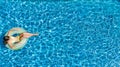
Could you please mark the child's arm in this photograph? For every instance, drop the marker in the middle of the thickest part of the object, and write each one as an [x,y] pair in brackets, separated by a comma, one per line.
[11,46]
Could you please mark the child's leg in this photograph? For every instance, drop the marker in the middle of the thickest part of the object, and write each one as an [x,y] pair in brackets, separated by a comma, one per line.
[28,35]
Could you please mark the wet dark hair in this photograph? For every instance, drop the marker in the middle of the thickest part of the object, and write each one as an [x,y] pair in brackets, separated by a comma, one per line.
[6,38]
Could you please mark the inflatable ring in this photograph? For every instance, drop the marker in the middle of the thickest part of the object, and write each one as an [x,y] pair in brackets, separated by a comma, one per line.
[19,45]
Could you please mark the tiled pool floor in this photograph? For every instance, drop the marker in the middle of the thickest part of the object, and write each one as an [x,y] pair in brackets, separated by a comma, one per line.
[72,34]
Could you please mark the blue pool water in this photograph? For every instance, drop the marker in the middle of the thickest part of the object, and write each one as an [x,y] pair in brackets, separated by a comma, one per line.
[71,33]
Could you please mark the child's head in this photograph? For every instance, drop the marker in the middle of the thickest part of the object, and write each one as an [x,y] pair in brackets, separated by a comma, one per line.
[6,38]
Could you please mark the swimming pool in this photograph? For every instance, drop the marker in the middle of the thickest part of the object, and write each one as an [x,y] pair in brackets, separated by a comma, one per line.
[72,33]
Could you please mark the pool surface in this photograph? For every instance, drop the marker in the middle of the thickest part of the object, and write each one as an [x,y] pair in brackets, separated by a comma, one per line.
[83,33]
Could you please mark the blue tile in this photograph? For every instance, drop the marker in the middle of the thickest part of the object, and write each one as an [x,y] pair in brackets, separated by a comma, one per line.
[82,33]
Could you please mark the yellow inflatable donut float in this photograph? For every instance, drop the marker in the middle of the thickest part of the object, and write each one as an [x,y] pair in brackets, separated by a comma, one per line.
[19,45]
